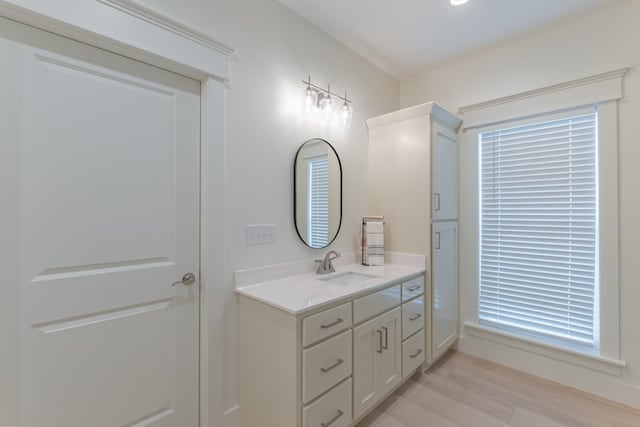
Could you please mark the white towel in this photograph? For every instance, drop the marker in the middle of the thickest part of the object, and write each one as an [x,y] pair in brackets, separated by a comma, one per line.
[373,241]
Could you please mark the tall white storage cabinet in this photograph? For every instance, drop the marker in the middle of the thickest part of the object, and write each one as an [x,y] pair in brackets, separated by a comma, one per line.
[413,176]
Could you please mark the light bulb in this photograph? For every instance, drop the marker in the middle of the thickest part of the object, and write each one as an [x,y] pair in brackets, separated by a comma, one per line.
[309,96]
[346,113]
[326,104]
[458,2]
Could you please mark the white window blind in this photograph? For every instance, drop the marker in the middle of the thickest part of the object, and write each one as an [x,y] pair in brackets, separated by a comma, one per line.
[318,208]
[538,240]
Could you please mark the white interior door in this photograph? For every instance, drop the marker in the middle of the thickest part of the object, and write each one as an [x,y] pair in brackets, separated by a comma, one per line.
[104,216]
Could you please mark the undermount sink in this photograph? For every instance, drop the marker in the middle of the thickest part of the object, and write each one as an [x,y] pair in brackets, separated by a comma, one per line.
[348,278]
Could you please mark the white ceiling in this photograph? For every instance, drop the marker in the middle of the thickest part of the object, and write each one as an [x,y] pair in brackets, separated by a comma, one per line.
[408,37]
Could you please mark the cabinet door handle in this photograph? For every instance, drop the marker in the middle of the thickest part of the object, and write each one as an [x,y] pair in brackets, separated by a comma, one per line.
[386,338]
[379,332]
[416,317]
[337,322]
[413,356]
[333,420]
[335,365]
[436,202]
[414,288]
[437,242]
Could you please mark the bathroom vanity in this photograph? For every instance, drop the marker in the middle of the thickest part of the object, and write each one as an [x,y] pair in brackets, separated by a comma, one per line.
[323,350]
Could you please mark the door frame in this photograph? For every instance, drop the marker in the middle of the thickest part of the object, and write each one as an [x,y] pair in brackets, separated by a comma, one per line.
[134,31]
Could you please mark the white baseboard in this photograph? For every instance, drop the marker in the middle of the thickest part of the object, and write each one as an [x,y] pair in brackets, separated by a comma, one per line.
[600,384]
[232,417]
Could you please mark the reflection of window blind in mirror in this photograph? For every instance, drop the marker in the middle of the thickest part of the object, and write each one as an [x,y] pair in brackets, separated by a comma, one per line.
[318,201]
[538,228]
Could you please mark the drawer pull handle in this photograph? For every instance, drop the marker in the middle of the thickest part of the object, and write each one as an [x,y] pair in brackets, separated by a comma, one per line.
[335,365]
[413,356]
[333,420]
[337,322]
[414,288]
[386,338]
[379,341]
[416,317]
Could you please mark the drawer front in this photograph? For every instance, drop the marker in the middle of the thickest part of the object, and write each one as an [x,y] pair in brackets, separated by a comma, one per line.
[329,322]
[412,317]
[331,410]
[412,288]
[325,365]
[412,353]
[371,305]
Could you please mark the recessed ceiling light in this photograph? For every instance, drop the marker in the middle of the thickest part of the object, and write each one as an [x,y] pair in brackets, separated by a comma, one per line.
[458,2]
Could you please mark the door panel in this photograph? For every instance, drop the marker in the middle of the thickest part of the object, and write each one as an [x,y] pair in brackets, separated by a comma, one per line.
[366,345]
[444,174]
[390,360]
[445,286]
[109,189]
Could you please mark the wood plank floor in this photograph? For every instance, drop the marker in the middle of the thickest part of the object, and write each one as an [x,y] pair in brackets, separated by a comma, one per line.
[462,391]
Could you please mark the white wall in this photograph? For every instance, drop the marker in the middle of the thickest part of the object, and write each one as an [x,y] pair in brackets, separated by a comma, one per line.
[591,44]
[264,128]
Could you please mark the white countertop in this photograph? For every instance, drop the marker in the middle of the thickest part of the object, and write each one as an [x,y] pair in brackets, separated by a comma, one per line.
[305,292]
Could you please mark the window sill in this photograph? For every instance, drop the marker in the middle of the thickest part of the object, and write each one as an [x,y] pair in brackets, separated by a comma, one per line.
[588,360]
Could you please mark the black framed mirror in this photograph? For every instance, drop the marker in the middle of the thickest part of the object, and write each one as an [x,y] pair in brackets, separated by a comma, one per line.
[317,193]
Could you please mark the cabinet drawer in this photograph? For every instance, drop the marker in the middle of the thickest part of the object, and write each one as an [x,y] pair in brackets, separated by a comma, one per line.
[412,288]
[412,317]
[325,365]
[322,325]
[367,307]
[412,353]
[331,410]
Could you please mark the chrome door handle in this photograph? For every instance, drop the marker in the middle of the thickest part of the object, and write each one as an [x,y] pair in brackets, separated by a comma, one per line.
[416,317]
[386,338]
[379,341]
[332,367]
[187,279]
[413,356]
[437,242]
[436,200]
[332,420]
[337,322]
[414,288]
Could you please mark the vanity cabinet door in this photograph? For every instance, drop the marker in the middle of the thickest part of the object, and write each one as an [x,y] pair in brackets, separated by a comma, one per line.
[367,343]
[444,173]
[377,363]
[445,287]
[389,367]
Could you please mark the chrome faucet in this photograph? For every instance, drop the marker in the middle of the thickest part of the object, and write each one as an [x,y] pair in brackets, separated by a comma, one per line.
[326,266]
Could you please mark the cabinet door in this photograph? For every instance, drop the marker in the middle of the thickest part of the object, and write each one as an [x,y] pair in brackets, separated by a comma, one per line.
[389,362]
[445,287]
[444,173]
[367,345]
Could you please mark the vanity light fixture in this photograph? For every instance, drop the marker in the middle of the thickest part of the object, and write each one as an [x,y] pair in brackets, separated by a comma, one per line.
[318,98]
[458,2]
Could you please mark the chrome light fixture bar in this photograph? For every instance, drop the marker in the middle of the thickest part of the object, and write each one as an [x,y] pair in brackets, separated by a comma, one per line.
[317,97]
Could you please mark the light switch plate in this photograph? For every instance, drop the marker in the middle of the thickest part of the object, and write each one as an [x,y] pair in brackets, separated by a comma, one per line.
[261,234]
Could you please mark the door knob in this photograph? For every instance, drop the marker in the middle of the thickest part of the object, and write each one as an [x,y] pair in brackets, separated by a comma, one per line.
[187,279]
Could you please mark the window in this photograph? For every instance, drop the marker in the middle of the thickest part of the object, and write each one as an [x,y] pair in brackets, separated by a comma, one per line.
[538,227]
[318,208]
